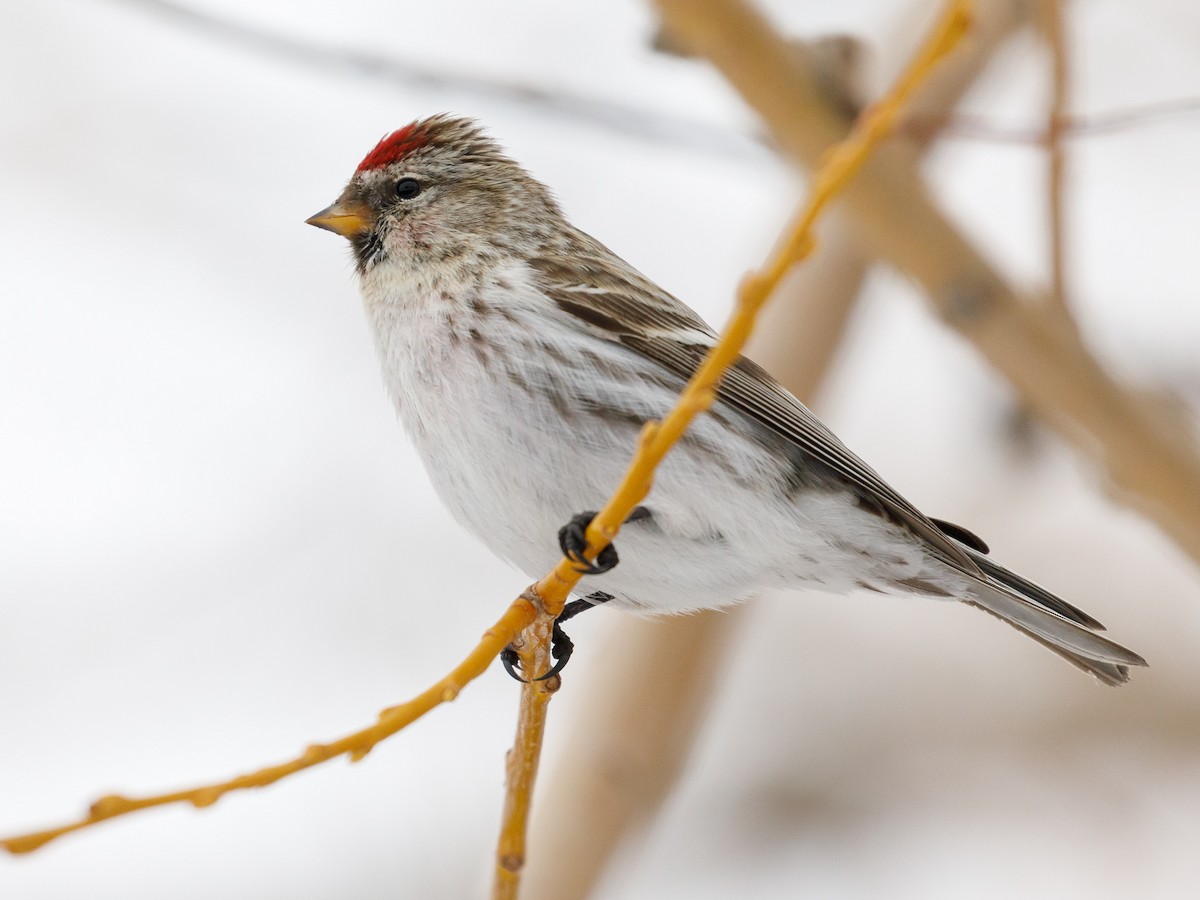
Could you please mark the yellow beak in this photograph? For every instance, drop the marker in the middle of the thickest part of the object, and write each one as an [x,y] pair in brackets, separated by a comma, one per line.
[346,219]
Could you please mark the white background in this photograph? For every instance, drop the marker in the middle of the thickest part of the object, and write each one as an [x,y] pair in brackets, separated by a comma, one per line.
[216,545]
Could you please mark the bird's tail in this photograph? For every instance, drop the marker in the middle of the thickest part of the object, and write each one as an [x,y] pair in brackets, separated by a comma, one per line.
[1051,621]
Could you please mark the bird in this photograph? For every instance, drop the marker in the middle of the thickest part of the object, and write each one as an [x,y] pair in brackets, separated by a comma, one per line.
[523,358]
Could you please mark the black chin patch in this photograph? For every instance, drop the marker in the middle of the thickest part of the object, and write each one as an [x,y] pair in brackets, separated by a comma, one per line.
[368,249]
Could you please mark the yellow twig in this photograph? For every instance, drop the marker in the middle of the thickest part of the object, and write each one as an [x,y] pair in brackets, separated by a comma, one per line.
[356,745]
[522,765]
[842,162]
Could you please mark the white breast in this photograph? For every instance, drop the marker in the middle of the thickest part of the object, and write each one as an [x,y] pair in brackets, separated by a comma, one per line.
[493,386]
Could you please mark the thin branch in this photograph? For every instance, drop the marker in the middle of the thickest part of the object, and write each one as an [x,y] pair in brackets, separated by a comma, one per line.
[627,746]
[978,128]
[1054,30]
[522,765]
[357,745]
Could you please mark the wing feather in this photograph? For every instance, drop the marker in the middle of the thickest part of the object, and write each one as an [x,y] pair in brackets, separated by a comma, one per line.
[657,326]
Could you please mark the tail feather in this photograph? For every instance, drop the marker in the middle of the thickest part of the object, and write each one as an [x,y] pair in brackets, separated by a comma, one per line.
[1107,672]
[1052,622]
[1035,612]
[1035,592]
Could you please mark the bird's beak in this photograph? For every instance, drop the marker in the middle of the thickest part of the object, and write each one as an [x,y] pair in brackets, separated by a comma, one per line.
[347,218]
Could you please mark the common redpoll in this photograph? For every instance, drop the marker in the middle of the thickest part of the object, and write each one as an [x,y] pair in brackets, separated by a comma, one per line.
[523,357]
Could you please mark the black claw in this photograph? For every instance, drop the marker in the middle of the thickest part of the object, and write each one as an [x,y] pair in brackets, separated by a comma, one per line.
[561,646]
[511,662]
[572,540]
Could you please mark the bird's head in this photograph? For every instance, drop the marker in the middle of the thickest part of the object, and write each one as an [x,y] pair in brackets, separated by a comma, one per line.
[438,190]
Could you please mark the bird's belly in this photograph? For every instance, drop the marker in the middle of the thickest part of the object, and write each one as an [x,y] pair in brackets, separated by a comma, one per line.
[508,468]
[516,448]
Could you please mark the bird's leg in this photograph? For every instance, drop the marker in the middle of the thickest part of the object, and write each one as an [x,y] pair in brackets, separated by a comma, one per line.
[561,646]
[572,540]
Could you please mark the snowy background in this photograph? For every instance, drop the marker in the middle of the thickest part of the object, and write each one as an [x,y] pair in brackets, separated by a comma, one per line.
[216,545]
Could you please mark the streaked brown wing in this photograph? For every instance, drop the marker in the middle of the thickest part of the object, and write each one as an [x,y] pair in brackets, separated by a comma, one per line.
[660,328]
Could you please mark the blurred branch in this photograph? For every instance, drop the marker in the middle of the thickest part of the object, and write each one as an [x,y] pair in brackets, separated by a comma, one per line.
[977,128]
[658,126]
[800,331]
[1150,458]
[627,121]
[1056,40]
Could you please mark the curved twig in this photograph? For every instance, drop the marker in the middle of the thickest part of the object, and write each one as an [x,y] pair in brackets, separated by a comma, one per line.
[357,745]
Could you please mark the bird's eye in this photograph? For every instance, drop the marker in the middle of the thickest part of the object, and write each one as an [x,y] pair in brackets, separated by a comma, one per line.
[407,188]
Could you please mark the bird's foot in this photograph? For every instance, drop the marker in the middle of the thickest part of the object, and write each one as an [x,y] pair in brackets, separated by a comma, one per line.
[561,646]
[572,540]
